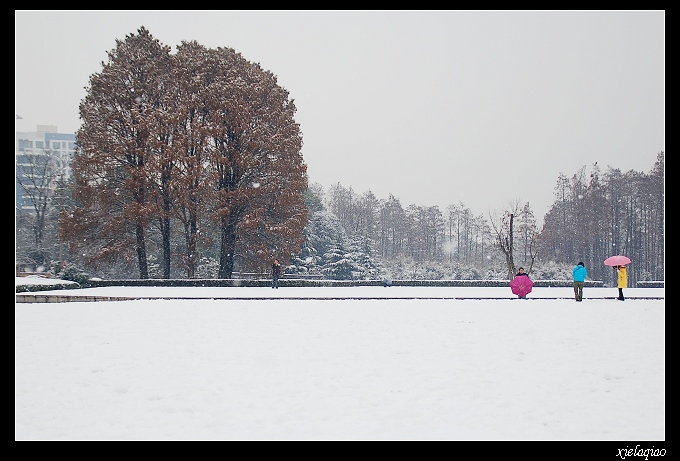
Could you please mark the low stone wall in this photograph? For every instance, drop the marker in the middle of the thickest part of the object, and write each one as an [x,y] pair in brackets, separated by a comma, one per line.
[292,282]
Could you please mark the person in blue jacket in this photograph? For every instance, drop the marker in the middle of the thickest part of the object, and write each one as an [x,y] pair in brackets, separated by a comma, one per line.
[579,272]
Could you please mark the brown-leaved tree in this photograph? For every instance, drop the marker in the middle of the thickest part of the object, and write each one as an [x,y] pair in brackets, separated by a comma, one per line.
[201,141]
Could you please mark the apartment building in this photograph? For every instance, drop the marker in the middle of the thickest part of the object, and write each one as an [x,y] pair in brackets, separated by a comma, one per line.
[43,157]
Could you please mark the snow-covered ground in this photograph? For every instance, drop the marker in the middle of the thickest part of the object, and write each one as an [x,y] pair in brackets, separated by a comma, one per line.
[379,364]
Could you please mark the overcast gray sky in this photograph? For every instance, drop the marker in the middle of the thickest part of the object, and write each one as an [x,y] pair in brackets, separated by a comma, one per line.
[434,107]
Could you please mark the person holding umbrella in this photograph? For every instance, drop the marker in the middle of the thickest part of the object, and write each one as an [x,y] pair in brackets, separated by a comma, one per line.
[622,279]
[521,285]
[619,263]
[579,272]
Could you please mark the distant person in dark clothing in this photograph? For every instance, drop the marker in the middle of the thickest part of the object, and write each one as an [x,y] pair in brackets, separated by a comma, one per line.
[579,272]
[276,273]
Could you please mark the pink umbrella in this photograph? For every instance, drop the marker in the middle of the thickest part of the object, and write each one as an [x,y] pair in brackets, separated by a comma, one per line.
[521,285]
[618,260]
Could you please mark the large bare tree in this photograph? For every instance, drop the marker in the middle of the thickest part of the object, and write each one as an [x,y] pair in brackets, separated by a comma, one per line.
[113,165]
[505,226]
[202,140]
[37,176]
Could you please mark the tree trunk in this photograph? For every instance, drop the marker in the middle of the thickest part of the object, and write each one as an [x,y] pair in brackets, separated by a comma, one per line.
[165,231]
[192,256]
[141,252]
[227,246]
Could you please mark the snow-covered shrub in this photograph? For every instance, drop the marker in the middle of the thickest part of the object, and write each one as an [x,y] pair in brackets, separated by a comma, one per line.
[75,274]
[207,268]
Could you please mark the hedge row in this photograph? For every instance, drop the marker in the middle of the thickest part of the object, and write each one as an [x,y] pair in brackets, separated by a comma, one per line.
[291,282]
[65,285]
[651,284]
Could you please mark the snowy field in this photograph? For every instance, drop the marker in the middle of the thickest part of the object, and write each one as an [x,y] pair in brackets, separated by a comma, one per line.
[368,363]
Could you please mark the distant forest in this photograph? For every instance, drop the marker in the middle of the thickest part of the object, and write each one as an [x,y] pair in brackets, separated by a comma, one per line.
[594,215]
[352,235]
